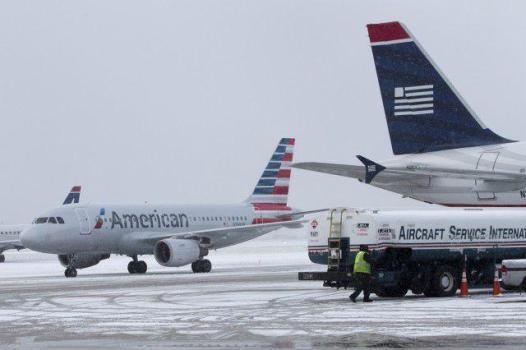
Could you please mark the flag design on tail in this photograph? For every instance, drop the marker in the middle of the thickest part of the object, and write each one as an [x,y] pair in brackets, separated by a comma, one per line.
[73,196]
[424,112]
[270,195]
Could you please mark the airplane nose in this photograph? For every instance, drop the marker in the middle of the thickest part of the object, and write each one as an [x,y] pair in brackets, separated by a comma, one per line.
[30,239]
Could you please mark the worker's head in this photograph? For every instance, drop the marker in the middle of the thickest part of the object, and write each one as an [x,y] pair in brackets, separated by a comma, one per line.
[364,247]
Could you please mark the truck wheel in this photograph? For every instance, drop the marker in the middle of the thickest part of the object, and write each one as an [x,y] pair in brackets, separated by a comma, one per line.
[444,282]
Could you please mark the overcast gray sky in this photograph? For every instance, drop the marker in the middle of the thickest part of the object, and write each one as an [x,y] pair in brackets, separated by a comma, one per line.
[184,101]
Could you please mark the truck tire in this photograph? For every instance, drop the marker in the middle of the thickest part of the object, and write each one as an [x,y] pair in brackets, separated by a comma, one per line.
[444,282]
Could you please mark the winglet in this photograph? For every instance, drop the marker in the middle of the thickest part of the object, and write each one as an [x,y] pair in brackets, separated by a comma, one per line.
[371,168]
[73,196]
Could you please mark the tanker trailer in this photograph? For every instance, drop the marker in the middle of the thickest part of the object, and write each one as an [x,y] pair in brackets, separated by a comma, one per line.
[419,250]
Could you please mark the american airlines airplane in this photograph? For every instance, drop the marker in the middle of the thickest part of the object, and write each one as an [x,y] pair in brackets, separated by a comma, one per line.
[444,154]
[82,235]
[10,234]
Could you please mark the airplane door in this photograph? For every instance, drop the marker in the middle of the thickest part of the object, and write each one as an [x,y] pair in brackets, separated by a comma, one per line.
[82,215]
[486,161]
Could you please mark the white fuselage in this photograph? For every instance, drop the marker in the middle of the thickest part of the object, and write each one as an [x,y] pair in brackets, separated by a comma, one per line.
[510,157]
[124,229]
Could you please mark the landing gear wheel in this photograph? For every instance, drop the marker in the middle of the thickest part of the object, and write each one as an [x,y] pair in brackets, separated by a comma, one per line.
[2,258]
[70,272]
[141,267]
[444,282]
[137,267]
[132,267]
[201,266]
[207,266]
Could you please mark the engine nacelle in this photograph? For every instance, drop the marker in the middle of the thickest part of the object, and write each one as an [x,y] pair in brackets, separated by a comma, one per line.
[82,260]
[174,252]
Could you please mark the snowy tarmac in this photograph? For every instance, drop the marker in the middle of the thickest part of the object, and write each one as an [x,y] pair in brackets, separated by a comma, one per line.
[252,299]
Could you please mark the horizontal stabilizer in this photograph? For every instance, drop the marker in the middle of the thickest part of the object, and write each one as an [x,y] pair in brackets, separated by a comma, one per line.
[493,180]
[354,171]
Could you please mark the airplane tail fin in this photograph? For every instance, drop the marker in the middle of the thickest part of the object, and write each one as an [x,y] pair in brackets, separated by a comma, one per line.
[272,189]
[73,196]
[424,112]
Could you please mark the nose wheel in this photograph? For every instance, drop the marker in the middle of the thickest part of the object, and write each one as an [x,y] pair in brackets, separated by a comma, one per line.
[202,266]
[70,272]
[137,266]
[2,258]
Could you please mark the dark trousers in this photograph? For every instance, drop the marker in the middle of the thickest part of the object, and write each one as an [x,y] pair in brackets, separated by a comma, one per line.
[363,284]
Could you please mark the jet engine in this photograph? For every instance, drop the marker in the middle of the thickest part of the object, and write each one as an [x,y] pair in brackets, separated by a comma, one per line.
[81,261]
[173,252]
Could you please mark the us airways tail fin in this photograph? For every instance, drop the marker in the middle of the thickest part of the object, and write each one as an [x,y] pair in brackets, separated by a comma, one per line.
[73,196]
[424,112]
[272,188]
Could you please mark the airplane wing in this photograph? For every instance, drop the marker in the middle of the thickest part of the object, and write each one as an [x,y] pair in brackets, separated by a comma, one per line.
[215,236]
[301,214]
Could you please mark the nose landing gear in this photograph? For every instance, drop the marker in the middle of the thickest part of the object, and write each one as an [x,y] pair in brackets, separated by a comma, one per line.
[70,272]
[137,266]
[201,266]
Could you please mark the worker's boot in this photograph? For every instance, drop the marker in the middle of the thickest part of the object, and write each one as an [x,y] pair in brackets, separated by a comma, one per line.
[367,301]
[353,299]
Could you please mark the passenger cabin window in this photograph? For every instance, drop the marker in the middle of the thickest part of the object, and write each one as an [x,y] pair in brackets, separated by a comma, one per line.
[52,220]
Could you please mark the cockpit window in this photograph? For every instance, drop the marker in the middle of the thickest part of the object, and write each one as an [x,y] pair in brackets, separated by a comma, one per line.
[41,220]
[52,220]
[60,220]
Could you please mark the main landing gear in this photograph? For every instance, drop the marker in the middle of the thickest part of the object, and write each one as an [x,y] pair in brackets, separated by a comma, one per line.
[2,258]
[70,272]
[201,266]
[137,266]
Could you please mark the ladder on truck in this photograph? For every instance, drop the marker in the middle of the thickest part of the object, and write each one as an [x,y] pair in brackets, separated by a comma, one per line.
[335,239]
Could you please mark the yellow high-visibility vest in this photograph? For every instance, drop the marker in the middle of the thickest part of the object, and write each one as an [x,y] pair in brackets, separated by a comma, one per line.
[360,265]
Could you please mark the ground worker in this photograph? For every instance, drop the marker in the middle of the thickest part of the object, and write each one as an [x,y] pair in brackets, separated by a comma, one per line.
[362,274]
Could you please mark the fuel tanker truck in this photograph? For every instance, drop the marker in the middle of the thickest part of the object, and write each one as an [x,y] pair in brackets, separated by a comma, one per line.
[419,250]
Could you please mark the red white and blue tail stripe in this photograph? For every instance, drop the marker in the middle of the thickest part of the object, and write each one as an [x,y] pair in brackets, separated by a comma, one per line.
[271,192]
[73,196]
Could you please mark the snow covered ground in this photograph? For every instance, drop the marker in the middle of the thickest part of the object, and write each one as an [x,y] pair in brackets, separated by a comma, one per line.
[252,299]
